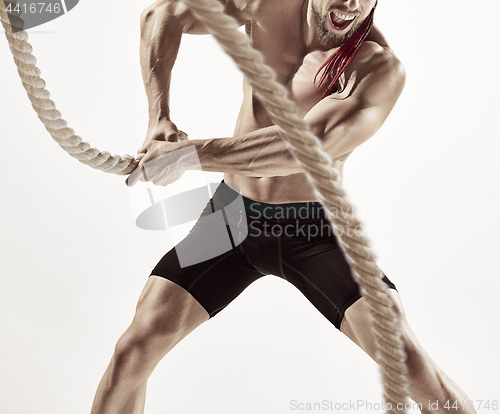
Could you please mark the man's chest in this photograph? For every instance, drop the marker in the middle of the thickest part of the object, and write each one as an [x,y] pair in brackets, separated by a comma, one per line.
[278,33]
[304,86]
[295,68]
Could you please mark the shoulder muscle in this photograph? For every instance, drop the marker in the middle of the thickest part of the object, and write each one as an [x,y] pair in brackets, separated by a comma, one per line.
[238,9]
[376,78]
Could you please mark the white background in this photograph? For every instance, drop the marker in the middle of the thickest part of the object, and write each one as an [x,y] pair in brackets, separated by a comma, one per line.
[72,262]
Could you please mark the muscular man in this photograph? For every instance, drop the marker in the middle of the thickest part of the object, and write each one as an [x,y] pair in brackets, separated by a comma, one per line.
[344,105]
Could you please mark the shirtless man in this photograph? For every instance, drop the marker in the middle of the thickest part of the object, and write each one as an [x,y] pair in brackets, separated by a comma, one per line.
[296,37]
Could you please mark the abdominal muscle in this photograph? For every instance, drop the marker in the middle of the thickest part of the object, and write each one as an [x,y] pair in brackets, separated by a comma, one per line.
[292,188]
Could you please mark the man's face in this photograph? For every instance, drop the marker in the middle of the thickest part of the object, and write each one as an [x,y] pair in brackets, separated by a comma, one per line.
[336,21]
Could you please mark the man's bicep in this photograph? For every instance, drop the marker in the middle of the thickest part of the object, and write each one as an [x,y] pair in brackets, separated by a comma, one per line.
[342,128]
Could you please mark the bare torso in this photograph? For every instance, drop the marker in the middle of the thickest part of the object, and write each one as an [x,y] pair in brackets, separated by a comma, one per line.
[291,38]
[295,67]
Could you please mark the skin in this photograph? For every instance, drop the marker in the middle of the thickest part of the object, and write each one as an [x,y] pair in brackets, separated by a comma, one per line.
[256,160]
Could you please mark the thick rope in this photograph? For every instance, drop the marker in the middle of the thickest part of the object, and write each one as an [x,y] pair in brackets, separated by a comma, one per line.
[317,165]
[304,145]
[46,109]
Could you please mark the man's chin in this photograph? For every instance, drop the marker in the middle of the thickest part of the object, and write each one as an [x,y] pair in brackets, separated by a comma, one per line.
[336,40]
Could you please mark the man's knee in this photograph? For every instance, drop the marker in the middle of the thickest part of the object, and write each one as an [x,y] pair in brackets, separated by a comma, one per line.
[139,350]
[358,324]
[422,371]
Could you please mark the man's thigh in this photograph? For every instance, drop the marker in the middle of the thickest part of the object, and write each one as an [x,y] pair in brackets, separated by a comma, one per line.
[319,269]
[214,283]
[165,307]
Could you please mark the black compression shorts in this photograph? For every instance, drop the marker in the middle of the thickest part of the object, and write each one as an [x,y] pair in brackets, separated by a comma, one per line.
[294,241]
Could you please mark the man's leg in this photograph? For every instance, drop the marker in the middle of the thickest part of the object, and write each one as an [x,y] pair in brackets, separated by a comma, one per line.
[165,314]
[427,380]
[311,259]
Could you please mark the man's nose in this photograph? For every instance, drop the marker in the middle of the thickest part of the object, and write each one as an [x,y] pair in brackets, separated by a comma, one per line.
[351,5]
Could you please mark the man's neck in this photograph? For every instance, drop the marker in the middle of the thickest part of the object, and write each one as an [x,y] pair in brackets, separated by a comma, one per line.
[309,31]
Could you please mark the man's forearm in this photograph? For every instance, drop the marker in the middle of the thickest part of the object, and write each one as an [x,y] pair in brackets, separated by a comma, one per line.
[161,31]
[262,153]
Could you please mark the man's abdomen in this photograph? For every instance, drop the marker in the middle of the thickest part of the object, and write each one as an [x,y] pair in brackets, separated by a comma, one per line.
[293,188]
[274,190]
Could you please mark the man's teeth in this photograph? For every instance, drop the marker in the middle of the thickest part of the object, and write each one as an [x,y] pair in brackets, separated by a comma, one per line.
[343,16]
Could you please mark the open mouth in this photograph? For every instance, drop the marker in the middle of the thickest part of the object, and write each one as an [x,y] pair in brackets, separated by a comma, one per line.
[341,21]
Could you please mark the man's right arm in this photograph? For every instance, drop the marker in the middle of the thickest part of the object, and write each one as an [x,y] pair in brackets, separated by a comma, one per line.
[162,26]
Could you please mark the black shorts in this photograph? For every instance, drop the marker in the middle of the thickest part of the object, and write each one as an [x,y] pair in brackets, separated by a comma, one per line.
[237,241]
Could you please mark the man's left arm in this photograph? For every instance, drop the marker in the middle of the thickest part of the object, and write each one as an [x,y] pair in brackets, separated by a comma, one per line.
[342,125]
[376,80]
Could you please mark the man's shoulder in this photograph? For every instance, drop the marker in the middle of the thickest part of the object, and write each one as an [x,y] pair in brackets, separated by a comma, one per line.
[375,58]
[259,10]
[375,76]
[242,10]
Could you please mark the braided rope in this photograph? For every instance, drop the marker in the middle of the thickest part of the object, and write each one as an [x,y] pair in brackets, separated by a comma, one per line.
[46,109]
[305,147]
[317,165]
